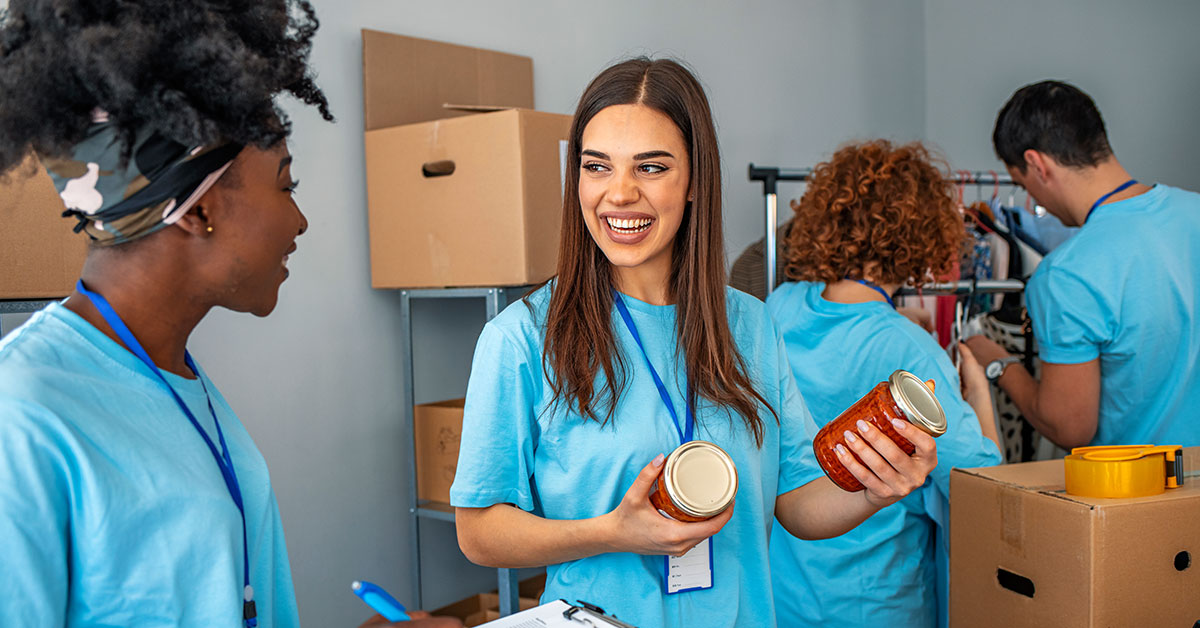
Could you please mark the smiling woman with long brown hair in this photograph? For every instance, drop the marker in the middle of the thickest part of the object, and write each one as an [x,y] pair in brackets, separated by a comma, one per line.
[567,419]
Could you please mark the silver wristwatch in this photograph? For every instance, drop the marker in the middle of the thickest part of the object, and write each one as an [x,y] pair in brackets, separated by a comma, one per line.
[995,368]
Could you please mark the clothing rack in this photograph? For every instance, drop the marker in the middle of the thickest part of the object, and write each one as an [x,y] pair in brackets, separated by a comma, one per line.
[965,287]
[770,176]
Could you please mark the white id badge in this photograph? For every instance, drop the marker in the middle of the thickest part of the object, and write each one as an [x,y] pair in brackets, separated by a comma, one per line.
[692,571]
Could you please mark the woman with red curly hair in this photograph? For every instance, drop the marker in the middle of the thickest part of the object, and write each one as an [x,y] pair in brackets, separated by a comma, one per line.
[875,217]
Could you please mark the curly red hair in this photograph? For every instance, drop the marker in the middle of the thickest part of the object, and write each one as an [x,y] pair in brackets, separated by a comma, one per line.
[877,208]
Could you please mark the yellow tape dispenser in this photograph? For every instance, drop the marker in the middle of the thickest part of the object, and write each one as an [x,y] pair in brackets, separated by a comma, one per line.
[1124,470]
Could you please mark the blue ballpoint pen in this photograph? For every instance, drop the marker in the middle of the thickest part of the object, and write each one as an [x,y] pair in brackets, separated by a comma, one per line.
[380,600]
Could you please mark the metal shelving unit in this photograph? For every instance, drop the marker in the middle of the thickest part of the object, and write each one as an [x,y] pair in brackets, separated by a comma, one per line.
[22,307]
[495,300]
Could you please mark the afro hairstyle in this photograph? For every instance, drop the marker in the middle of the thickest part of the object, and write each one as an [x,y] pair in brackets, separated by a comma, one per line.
[198,72]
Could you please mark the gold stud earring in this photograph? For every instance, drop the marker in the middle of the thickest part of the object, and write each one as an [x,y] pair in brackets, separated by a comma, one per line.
[209,229]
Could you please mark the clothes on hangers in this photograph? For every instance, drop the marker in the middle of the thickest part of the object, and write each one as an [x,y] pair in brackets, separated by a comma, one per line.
[1003,318]
[979,260]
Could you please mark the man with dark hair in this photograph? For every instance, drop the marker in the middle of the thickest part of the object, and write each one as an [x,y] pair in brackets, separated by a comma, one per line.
[1114,308]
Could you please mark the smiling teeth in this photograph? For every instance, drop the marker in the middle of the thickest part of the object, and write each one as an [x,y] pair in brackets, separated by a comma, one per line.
[629,225]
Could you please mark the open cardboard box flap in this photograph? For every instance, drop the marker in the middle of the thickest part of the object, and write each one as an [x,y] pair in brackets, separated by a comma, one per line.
[408,80]
[478,108]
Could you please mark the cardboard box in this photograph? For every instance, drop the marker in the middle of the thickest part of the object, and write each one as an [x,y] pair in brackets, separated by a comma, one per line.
[532,587]
[1025,553]
[485,607]
[40,255]
[480,609]
[408,80]
[492,602]
[456,197]
[437,431]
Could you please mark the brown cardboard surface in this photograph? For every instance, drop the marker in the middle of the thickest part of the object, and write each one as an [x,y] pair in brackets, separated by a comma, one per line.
[472,611]
[1134,562]
[40,255]
[532,587]
[1093,562]
[492,602]
[408,80]
[437,432]
[485,607]
[493,221]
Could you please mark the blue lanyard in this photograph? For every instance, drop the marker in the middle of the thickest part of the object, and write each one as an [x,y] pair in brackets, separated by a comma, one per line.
[224,462]
[879,290]
[1101,200]
[685,433]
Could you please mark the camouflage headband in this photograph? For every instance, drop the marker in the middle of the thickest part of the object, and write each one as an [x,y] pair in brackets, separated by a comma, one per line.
[117,202]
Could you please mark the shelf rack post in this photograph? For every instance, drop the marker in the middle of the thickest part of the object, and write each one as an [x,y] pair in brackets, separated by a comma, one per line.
[495,300]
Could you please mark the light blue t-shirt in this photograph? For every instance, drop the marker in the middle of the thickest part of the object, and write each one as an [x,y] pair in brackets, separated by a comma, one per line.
[885,572]
[112,510]
[1126,290]
[520,448]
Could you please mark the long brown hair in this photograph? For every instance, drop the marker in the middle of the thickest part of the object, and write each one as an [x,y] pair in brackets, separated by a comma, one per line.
[579,335]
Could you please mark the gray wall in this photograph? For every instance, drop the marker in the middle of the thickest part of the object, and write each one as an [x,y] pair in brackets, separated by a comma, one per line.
[317,383]
[1140,61]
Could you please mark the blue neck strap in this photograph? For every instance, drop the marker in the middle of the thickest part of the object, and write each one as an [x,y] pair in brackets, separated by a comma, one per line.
[876,288]
[1100,201]
[224,462]
[685,432]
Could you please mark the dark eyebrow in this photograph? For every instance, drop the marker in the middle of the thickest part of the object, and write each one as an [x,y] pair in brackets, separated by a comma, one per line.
[283,163]
[651,154]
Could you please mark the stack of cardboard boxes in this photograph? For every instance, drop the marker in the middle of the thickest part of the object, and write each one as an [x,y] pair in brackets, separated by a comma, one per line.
[464,188]
[457,197]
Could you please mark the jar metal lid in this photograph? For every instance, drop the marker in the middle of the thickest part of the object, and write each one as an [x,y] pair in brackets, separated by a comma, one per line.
[700,478]
[917,402]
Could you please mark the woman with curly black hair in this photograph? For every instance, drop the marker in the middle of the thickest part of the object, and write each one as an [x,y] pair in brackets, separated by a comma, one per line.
[130,494]
[874,217]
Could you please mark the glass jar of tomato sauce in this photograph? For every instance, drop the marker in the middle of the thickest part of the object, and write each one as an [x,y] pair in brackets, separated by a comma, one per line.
[697,482]
[903,396]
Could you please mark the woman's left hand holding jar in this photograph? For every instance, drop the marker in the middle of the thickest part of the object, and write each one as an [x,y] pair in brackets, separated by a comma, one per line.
[889,474]
[636,526]
[503,535]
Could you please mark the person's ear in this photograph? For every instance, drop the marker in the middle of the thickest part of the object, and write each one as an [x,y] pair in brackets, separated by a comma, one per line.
[1039,165]
[197,221]
[201,220]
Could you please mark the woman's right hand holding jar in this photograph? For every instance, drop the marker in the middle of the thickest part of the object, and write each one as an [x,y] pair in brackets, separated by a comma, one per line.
[636,526]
